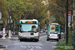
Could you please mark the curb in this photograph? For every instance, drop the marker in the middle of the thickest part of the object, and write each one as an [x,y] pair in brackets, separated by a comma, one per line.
[1,46]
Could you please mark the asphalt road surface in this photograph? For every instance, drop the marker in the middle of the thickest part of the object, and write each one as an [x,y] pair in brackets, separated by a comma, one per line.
[15,44]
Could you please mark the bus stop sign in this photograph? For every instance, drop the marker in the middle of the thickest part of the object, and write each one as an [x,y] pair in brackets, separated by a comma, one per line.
[69,13]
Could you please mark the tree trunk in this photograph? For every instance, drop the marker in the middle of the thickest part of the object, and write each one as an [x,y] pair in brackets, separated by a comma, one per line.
[65,21]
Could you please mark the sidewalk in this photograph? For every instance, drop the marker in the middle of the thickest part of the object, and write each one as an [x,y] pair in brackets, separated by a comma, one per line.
[8,40]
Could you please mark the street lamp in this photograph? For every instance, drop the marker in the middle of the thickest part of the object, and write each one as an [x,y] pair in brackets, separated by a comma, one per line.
[9,22]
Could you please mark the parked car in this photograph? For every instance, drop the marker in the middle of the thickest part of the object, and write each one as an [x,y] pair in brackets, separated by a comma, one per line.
[52,35]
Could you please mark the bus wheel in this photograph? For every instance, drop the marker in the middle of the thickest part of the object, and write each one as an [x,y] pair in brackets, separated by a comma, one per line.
[21,39]
[36,40]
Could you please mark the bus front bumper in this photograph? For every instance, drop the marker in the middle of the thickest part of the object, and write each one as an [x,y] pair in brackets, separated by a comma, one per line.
[34,37]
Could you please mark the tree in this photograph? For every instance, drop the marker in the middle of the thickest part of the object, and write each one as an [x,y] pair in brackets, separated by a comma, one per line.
[3,9]
[39,13]
[28,9]
[17,9]
[58,9]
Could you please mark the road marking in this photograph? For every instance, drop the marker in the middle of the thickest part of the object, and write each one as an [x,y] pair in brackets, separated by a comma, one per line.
[1,49]
[38,47]
[6,46]
[23,43]
[31,47]
[23,46]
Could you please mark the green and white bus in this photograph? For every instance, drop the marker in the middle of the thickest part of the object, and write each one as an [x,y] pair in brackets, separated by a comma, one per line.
[55,27]
[29,29]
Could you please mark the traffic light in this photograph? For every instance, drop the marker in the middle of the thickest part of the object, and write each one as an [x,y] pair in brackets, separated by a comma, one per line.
[11,25]
[9,12]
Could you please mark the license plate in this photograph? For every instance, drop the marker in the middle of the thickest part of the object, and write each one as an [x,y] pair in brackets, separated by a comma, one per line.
[26,34]
[52,35]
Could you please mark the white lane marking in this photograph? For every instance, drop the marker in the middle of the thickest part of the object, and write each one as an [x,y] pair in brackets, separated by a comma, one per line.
[1,49]
[23,43]
[23,46]
[38,47]
[31,47]
[6,46]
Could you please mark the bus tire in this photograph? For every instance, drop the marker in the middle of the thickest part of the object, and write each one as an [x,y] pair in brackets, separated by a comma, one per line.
[36,40]
[21,39]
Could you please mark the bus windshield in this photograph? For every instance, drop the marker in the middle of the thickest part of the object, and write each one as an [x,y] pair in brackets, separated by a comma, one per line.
[28,27]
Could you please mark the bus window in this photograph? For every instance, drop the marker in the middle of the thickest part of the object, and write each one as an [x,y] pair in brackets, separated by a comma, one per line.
[57,26]
[56,29]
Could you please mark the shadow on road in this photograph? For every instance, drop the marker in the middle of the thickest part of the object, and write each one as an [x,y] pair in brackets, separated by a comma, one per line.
[53,40]
[28,41]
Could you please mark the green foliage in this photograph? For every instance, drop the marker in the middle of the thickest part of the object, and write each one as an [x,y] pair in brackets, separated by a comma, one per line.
[24,9]
[3,9]
[63,43]
[57,9]
[39,13]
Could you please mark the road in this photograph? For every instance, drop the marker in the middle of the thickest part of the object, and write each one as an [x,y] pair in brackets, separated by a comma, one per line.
[15,44]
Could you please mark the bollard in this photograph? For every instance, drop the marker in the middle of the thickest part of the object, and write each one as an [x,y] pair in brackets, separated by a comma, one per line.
[9,34]
[3,34]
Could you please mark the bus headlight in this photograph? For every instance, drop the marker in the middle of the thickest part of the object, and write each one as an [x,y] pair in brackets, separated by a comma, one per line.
[37,33]
[19,33]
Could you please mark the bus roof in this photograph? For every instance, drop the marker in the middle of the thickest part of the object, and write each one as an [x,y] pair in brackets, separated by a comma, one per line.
[54,24]
[29,20]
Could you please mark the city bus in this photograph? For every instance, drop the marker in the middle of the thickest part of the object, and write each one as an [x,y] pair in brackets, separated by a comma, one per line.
[29,29]
[54,31]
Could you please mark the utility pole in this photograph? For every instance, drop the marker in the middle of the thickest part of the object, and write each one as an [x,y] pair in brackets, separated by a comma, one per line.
[67,23]
[9,21]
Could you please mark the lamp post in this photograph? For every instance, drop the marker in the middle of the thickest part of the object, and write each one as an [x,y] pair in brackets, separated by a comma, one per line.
[67,22]
[9,22]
